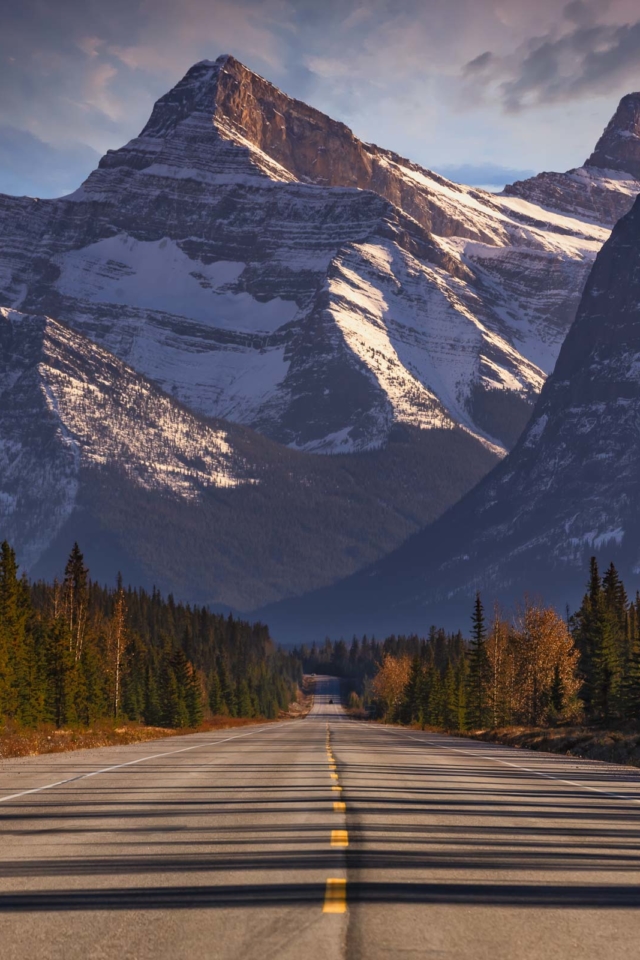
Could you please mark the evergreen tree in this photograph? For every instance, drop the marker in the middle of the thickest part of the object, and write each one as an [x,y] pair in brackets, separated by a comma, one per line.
[451,704]
[478,668]
[557,695]
[152,703]
[244,706]
[13,652]
[412,709]
[216,702]
[462,678]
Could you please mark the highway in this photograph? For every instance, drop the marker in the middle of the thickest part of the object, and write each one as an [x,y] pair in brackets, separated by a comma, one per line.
[318,838]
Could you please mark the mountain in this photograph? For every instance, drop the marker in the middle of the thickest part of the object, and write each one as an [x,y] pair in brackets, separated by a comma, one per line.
[92,451]
[569,489]
[258,262]
[267,287]
[619,146]
[604,188]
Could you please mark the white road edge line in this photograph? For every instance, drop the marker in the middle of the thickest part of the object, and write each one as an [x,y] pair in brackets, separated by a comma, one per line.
[130,763]
[517,766]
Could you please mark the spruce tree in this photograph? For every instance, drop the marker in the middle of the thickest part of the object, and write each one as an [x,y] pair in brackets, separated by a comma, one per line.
[244,706]
[451,706]
[215,694]
[412,709]
[478,668]
[76,595]
[462,679]
[152,703]
[557,692]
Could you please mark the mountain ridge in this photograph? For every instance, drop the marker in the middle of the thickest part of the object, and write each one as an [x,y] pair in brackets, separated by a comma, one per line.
[213,512]
[569,488]
[231,171]
[399,323]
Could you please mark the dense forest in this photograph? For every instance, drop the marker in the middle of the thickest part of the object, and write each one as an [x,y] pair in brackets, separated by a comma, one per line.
[75,652]
[533,667]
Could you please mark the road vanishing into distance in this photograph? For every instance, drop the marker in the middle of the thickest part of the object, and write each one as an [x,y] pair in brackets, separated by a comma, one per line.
[318,838]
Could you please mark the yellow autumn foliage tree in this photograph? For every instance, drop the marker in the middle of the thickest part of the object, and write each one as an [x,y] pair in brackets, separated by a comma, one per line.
[390,683]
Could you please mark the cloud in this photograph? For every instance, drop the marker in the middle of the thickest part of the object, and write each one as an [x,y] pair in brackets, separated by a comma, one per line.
[481,62]
[440,81]
[589,59]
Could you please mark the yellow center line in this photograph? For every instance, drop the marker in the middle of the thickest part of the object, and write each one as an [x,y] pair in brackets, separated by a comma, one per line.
[339,806]
[335,896]
[339,838]
[334,776]
[336,788]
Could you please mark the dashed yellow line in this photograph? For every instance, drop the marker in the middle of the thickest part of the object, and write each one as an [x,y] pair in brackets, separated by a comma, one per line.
[339,806]
[339,838]
[334,776]
[336,788]
[335,896]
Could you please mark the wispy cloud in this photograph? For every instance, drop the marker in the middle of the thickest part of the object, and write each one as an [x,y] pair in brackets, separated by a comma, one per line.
[578,58]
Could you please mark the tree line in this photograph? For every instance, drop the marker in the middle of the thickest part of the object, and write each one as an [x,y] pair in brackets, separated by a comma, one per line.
[533,667]
[75,652]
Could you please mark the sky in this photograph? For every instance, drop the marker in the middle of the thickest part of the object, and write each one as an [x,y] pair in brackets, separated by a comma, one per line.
[483,91]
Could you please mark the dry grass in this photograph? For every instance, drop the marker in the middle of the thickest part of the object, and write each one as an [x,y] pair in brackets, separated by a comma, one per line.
[589,743]
[303,702]
[16,742]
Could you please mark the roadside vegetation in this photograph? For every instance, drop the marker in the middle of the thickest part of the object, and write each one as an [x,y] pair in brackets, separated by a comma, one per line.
[85,665]
[530,678]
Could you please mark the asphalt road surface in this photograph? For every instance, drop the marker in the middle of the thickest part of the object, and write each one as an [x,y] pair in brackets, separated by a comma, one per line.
[318,838]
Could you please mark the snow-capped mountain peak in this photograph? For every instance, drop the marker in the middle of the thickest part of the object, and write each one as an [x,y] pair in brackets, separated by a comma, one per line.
[255,259]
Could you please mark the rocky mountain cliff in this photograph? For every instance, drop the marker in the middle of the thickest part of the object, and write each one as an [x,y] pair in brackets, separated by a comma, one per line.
[243,286]
[619,146]
[90,450]
[604,188]
[569,489]
[260,263]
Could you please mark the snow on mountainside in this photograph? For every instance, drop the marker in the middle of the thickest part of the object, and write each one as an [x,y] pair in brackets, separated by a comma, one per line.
[569,489]
[606,186]
[68,405]
[261,264]
[90,450]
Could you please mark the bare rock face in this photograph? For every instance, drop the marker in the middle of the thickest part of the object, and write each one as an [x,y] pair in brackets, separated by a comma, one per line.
[605,188]
[599,195]
[619,146]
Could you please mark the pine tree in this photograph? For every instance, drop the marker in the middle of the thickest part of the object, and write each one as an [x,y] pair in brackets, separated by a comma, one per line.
[11,633]
[116,647]
[451,705]
[412,708]
[76,594]
[153,714]
[557,694]
[478,668]
[216,702]
[193,698]
[243,699]
[462,679]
